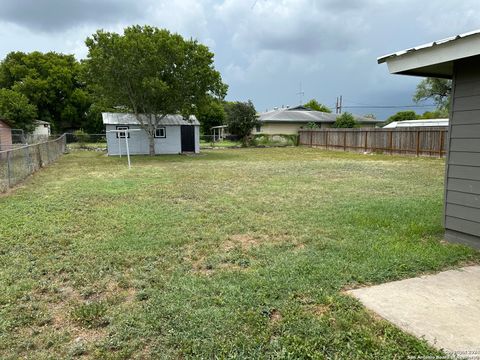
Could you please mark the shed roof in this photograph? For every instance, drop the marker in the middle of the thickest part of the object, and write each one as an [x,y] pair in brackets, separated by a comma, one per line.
[434,59]
[130,119]
[41,122]
[292,115]
[4,124]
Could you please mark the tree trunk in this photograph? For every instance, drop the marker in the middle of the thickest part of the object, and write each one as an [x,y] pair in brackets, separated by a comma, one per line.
[151,140]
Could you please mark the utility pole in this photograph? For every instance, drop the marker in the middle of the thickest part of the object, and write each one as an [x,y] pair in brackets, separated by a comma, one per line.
[301,93]
[338,105]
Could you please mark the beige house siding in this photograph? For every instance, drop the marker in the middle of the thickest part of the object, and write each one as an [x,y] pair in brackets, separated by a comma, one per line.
[272,128]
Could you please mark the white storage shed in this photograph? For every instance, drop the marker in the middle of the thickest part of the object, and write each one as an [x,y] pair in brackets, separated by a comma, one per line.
[173,135]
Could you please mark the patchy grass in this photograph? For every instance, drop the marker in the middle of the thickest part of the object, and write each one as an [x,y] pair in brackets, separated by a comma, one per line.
[240,253]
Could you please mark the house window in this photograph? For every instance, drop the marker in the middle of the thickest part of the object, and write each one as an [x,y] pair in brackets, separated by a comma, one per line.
[258,128]
[160,132]
[122,135]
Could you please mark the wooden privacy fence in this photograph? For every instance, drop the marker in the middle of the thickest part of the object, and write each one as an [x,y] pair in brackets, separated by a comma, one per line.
[410,141]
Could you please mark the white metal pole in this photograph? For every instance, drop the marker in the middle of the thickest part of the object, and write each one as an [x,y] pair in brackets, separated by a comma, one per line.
[119,144]
[128,151]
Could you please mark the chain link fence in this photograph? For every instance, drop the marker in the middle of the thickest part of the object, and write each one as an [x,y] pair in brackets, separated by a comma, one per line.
[16,164]
[79,140]
[213,141]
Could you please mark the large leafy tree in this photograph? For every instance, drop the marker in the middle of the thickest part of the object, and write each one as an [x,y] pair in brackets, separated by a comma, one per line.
[315,105]
[437,114]
[17,110]
[437,89]
[151,71]
[51,82]
[346,120]
[402,115]
[241,119]
[211,113]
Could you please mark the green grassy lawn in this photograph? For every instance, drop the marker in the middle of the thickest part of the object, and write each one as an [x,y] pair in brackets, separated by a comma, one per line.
[241,253]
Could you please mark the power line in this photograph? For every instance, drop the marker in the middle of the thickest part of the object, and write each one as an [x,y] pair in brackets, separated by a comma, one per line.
[339,106]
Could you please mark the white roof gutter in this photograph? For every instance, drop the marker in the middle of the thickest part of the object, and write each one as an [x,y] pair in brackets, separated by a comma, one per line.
[434,58]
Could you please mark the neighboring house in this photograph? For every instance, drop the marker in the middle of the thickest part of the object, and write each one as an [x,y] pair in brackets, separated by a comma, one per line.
[290,120]
[174,134]
[417,123]
[456,58]
[5,136]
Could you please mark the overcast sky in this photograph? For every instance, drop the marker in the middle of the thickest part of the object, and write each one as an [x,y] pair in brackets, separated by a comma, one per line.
[265,48]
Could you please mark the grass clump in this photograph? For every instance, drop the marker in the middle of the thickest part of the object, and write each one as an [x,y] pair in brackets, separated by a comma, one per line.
[90,314]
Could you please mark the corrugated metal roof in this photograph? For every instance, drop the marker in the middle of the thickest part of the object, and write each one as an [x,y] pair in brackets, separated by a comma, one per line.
[130,119]
[305,116]
[384,58]
[417,123]
[4,124]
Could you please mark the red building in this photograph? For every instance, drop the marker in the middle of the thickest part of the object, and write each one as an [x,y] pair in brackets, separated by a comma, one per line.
[5,136]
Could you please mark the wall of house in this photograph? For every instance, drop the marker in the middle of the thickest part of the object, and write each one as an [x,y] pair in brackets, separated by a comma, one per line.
[462,180]
[282,128]
[5,136]
[138,142]
[290,128]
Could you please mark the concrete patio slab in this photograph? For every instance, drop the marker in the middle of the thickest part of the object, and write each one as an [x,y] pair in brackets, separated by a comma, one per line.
[444,308]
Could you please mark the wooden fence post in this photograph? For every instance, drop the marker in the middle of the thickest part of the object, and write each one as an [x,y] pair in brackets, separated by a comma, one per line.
[442,139]
[311,138]
[390,142]
[345,140]
[326,140]
[418,143]
[366,140]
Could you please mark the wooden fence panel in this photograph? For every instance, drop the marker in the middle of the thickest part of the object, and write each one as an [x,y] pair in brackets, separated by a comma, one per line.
[406,141]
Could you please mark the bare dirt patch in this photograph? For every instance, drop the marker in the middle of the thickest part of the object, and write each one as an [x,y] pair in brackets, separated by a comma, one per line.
[275,316]
[61,299]
[243,241]
[61,319]
[318,310]
[225,256]
[246,241]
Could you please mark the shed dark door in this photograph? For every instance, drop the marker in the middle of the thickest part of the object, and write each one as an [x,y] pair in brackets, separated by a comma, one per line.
[188,138]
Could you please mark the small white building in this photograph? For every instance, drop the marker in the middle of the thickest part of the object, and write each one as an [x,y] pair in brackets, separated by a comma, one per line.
[417,123]
[42,128]
[174,135]
[219,132]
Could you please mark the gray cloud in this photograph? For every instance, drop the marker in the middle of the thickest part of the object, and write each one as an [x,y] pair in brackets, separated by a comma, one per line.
[263,52]
[301,26]
[59,15]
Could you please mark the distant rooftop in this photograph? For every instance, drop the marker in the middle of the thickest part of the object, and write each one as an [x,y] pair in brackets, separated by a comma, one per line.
[417,123]
[302,114]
